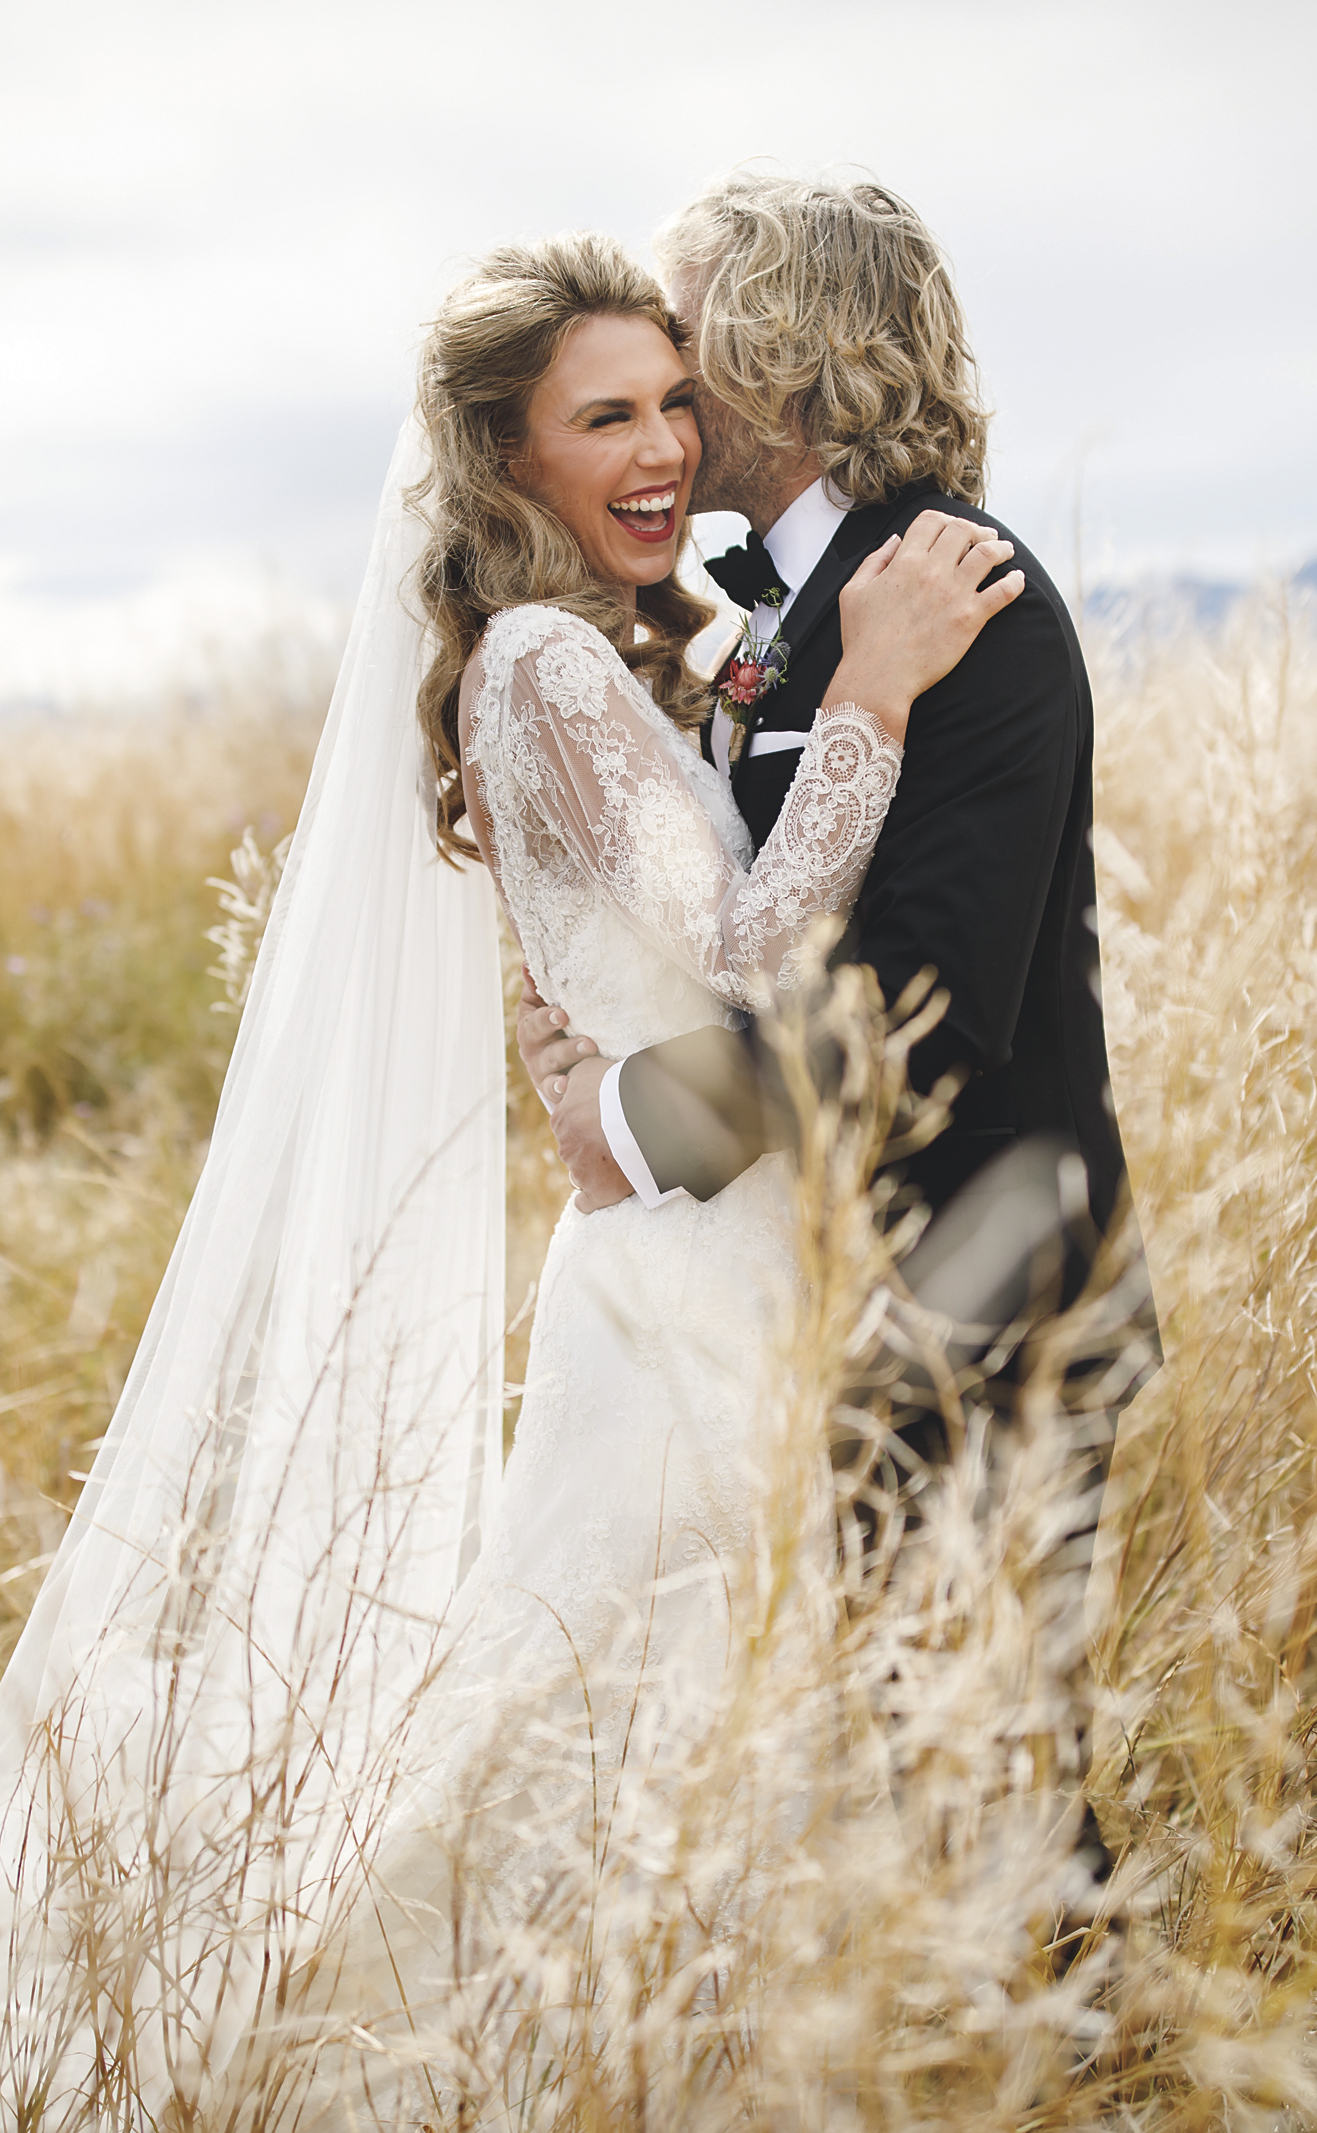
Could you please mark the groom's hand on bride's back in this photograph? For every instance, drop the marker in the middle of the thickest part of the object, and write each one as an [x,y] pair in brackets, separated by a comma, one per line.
[548,1051]
[566,1072]
[580,1137]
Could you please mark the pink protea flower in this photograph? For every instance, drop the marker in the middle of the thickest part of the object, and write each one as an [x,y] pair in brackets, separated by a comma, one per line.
[745,681]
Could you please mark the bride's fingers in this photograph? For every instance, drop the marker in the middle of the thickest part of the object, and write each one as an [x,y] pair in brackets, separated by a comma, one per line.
[945,536]
[978,536]
[874,565]
[961,537]
[927,529]
[952,538]
[994,598]
[984,557]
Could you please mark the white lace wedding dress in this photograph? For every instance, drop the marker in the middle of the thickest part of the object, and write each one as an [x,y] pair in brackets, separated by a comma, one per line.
[598,1610]
[626,870]
[414,1806]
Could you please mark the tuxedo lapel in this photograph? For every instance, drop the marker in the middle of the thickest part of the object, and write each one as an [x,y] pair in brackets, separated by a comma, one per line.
[860,532]
[819,592]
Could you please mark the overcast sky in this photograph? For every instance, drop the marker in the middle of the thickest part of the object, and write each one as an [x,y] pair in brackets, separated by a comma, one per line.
[224,223]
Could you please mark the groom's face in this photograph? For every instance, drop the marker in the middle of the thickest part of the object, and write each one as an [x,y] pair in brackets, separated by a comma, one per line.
[731,449]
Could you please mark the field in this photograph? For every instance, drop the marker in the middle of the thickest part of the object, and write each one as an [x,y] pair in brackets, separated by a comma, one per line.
[1195,2010]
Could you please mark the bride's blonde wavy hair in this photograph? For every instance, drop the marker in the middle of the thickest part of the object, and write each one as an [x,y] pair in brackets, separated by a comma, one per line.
[492,546]
[829,319]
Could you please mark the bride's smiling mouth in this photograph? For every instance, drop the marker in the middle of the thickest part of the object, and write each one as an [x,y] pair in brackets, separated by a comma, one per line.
[647,514]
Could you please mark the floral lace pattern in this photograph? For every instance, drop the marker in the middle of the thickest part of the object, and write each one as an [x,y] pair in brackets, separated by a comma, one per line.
[591,1637]
[657,1348]
[591,794]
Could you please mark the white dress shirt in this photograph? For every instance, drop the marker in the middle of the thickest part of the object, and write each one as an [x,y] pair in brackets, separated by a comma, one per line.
[796,544]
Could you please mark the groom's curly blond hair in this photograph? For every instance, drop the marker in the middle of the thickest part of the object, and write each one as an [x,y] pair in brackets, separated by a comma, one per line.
[829,319]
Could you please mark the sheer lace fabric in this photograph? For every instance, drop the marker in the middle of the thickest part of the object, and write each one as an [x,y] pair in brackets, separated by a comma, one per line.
[429,1723]
[590,792]
[592,1638]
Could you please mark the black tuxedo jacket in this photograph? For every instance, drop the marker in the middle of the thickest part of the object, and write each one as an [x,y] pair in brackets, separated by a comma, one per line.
[984,870]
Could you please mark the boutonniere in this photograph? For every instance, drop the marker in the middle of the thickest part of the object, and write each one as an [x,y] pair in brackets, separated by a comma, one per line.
[759,665]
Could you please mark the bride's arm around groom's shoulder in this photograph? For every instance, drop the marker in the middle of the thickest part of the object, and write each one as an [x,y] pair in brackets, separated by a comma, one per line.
[992,739]
[975,876]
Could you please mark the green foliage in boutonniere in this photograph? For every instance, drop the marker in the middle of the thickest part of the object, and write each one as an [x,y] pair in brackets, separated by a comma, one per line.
[760,665]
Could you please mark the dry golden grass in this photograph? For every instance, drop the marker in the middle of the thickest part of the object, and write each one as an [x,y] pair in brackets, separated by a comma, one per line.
[896,1977]
[111,1057]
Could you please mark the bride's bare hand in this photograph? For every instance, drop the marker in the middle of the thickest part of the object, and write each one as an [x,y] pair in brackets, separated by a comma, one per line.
[912,611]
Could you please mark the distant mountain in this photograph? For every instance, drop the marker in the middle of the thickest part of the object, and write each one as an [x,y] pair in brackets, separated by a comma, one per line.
[1171,602]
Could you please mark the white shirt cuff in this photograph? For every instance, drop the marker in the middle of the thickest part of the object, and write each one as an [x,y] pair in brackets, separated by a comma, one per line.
[720,740]
[776,743]
[623,1145]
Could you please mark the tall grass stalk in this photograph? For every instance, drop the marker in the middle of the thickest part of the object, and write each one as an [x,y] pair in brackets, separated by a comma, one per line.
[835,1902]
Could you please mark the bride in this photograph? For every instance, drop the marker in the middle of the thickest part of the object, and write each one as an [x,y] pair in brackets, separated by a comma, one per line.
[303,1628]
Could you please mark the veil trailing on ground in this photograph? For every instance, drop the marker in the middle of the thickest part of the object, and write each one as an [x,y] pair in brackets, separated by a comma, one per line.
[309,1443]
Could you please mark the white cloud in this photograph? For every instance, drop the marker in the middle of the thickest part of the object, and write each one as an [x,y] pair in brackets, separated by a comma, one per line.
[224,224]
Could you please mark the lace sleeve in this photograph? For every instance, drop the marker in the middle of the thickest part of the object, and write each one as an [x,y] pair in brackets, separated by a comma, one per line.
[601,768]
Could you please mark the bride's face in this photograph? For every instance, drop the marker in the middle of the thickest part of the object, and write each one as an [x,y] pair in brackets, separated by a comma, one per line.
[611,447]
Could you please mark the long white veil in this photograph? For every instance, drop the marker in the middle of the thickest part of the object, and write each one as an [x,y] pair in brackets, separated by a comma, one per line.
[309,1443]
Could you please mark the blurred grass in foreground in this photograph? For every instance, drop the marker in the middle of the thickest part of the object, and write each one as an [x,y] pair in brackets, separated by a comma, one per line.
[110,1064]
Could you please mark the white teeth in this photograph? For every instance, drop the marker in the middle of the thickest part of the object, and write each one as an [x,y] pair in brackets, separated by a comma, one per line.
[648,503]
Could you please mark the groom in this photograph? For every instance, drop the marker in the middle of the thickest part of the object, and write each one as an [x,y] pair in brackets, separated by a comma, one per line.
[837,401]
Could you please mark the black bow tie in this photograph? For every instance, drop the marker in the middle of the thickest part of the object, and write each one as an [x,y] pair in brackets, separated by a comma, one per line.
[748,574]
